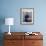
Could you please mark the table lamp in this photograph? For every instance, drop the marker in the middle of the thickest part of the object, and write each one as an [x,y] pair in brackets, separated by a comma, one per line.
[9,21]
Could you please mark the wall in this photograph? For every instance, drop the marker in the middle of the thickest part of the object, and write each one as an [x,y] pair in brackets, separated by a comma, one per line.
[11,8]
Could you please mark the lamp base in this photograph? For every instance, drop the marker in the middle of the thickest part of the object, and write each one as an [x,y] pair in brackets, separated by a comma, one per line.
[9,33]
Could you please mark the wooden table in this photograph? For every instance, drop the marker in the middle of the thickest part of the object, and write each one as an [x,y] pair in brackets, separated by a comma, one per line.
[20,39]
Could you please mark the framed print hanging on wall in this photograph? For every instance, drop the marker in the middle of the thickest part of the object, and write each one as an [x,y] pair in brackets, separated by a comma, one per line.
[26,15]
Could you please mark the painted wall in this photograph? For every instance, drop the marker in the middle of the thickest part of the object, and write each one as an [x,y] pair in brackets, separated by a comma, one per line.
[11,8]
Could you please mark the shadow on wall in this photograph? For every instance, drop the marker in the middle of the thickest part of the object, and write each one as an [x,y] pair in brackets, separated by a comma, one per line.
[2,21]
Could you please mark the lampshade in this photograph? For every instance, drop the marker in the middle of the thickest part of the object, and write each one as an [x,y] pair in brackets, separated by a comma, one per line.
[9,21]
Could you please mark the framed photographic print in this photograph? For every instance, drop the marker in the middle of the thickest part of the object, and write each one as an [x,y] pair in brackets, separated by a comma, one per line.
[26,15]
